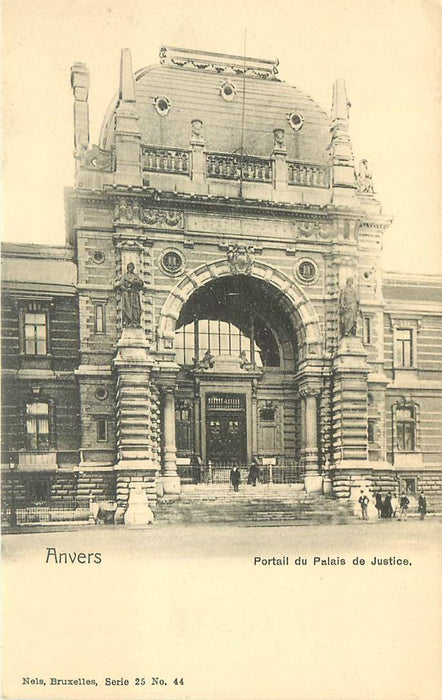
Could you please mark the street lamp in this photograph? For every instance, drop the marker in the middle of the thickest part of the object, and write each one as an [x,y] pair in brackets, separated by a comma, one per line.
[12,468]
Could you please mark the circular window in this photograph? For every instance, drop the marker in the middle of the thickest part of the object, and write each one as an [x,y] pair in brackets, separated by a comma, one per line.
[296,120]
[306,271]
[172,262]
[101,393]
[162,105]
[227,91]
[98,257]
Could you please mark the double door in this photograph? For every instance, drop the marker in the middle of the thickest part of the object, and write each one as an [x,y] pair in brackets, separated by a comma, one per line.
[226,429]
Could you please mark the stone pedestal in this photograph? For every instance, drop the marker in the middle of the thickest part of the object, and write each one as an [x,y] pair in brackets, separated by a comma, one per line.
[138,511]
[198,162]
[349,401]
[136,458]
[313,483]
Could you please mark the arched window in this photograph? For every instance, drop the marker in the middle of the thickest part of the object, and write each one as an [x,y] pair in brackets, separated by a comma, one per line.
[225,338]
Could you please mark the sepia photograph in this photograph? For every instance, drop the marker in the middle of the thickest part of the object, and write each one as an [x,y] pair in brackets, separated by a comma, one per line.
[221,473]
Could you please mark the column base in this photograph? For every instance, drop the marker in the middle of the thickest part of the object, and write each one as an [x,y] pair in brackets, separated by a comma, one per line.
[171,484]
[313,483]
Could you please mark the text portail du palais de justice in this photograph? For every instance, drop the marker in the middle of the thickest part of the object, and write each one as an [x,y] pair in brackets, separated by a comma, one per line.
[330,561]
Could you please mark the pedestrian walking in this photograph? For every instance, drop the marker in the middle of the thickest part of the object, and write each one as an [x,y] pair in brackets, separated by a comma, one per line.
[378,502]
[235,478]
[253,474]
[404,505]
[387,510]
[363,500]
[422,505]
[394,505]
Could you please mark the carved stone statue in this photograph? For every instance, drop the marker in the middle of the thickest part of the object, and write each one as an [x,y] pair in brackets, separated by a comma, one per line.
[130,286]
[365,178]
[244,363]
[197,128]
[207,361]
[348,309]
[278,138]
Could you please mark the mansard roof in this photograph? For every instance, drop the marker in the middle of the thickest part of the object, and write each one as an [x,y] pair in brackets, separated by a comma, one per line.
[192,82]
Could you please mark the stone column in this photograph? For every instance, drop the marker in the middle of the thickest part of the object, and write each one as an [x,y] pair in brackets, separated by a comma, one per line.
[171,481]
[309,454]
[166,380]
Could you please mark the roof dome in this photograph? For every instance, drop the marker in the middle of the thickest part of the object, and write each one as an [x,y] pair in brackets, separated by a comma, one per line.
[195,85]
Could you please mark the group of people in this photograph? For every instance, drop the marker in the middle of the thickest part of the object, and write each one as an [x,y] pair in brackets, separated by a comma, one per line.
[389,506]
[252,478]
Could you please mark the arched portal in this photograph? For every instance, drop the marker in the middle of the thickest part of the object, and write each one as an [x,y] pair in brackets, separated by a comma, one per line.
[239,340]
[298,306]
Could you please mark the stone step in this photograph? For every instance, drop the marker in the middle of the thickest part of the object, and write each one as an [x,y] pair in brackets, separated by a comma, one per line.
[220,505]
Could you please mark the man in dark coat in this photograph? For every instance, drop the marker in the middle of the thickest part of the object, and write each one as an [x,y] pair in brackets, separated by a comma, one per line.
[387,510]
[253,474]
[378,502]
[422,505]
[363,500]
[404,503]
[235,478]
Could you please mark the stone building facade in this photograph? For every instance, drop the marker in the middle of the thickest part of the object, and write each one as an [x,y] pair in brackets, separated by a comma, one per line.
[220,298]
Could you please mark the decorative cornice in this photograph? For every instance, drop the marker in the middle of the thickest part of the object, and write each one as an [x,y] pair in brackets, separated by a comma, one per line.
[208,62]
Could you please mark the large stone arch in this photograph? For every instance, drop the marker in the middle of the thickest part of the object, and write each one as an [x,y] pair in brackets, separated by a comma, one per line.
[298,307]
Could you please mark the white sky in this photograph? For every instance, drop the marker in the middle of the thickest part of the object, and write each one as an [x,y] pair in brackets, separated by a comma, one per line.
[389,52]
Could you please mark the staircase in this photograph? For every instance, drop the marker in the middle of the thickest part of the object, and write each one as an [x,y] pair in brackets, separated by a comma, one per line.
[274,504]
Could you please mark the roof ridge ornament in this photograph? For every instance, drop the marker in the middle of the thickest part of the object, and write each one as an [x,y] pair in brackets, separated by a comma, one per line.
[211,62]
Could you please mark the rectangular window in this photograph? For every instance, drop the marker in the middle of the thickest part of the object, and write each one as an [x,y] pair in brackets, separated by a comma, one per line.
[366,330]
[405,430]
[404,347]
[100,318]
[35,333]
[101,430]
[37,426]
[38,490]
[371,431]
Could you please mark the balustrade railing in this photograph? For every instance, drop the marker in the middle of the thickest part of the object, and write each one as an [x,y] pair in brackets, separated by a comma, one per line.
[307,175]
[219,473]
[230,166]
[165,160]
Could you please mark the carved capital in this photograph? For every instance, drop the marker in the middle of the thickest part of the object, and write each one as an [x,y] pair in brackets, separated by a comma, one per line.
[307,392]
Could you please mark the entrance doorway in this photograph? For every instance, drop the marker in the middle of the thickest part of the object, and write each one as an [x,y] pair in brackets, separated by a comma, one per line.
[226,429]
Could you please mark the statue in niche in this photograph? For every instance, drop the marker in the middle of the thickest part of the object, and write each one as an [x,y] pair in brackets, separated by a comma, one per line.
[364,178]
[348,309]
[206,363]
[130,286]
